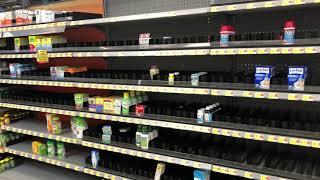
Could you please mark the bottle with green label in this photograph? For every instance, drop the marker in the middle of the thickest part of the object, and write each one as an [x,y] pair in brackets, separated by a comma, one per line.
[144,139]
[139,97]
[138,136]
[51,148]
[61,151]
[126,103]
[133,98]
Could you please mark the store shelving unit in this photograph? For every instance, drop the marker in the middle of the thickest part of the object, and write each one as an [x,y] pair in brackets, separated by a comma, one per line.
[249,132]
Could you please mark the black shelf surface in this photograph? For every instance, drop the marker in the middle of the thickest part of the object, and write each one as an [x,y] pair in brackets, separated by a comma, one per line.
[214,161]
[190,121]
[155,151]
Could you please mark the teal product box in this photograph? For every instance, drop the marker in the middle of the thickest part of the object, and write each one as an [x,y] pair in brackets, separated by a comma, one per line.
[263,76]
[296,77]
[201,175]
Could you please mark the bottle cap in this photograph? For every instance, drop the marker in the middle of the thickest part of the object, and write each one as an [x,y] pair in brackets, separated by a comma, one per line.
[289,25]
[171,75]
[125,95]
[227,29]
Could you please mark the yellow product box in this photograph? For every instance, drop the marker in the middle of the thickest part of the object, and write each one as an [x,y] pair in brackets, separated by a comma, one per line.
[33,43]
[35,147]
[108,104]
[99,103]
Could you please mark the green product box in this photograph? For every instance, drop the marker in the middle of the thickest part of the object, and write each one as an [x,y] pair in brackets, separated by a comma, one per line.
[42,150]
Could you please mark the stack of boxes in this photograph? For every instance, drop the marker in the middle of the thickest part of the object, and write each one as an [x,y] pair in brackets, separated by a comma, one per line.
[110,104]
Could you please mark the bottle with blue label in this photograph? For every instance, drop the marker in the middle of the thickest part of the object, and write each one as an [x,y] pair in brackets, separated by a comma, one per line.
[225,32]
[289,32]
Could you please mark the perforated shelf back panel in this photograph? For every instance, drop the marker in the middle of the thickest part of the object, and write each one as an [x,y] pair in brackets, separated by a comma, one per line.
[132,7]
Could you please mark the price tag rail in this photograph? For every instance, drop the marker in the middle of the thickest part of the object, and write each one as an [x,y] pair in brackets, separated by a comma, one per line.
[271,4]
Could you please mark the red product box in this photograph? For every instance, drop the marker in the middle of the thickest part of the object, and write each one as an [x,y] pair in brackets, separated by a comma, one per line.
[139,110]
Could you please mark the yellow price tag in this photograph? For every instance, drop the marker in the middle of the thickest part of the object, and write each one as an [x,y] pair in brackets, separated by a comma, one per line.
[247,94]
[316,144]
[76,168]
[306,97]
[305,142]
[287,2]
[272,138]
[294,141]
[226,132]
[258,137]
[242,51]
[231,7]
[236,134]
[297,2]
[196,165]
[274,51]
[283,140]
[248,135]
[273,96]
[109,148]
[292,97]
[214,9]
[215,93]
[131,152]
[311,50]
[264,177]
[233,172]
[262,51]
[298,50]
[42,56]
[250,6]
[216,131]
[228,93]
[248,175]
[259,95]
[68,166]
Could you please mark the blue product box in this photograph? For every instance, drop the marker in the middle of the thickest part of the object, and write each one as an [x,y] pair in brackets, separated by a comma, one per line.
[263,76]
[201,175]
[296,77]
